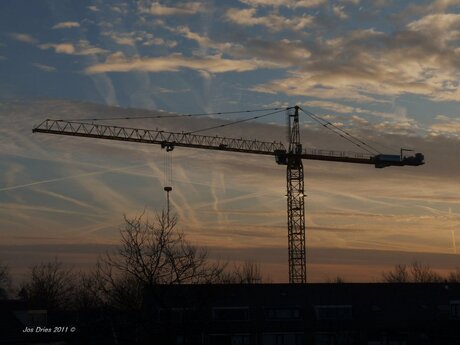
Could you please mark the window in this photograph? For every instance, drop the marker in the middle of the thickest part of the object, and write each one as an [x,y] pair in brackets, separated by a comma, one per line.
[229,339]
[324,339]
[283,339]
[337,338]
[333,312]
[177,314]
[230,313]
[32,318]
[455,310]
[283,314]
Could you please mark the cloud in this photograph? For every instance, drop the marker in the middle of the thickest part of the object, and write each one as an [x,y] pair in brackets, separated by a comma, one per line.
[60,48]
[446,126]
[284,52]
[93,8]
[45,68]
[181,9]
[368,65]
[26,38]
[82,47]
[160,42]
[139,37]
[436,6]
[286,3]
[202,40]
[275,22]
[339,11]
[66,25]
[347,109]
[41,182]
[440,26]
[165,90]
[123,39]
[175,62]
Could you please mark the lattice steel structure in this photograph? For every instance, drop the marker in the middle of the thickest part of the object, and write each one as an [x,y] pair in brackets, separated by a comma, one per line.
[292,158]
[295,201]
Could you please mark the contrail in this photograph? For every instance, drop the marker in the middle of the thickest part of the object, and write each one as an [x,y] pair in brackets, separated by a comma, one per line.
[453,241]
[68,177]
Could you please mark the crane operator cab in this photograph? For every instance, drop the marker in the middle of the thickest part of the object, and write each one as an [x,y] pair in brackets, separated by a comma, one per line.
[281,157]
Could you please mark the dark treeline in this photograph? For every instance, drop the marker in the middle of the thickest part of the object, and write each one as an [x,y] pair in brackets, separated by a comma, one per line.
[417,272]
[151,252]
[115,303]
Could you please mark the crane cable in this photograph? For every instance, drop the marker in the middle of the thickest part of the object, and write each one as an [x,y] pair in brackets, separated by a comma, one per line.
[347,135]
[167,180]
[239,121]
[167,167]
[174,116]
[315,117]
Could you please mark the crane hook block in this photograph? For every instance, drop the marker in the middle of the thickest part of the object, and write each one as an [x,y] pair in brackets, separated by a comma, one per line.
[169,146]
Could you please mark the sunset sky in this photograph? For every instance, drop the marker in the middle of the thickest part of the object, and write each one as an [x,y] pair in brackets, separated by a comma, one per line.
[387,71]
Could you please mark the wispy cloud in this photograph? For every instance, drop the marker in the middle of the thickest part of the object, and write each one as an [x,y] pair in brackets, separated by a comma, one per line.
[275,22]
[339,11]
[45,68]
[66,25]
[445,125]
[22,37]
[175,62]
[41,182]
[180,9]
[93,8]
[286,3]
[366,65]
[82,47]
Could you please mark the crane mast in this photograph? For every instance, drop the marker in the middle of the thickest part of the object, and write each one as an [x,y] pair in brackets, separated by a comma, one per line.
[295,201]
[291,157]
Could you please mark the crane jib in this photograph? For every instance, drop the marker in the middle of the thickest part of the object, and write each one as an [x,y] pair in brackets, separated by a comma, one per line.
[169,140]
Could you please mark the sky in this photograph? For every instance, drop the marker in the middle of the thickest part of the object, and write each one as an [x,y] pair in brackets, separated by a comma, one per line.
[386,71]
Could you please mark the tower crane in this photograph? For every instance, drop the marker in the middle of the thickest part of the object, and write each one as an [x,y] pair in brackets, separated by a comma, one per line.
[291,157]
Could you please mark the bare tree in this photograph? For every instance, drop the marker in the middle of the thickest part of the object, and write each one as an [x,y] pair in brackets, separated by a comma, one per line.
[152,252]
[454,277]
[415,273]
[336,280]
[5,280]
[423,273]
[87,295]
[49,285]
[398,275]
[246,273]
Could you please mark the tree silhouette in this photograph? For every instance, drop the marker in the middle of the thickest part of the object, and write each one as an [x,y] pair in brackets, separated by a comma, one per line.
[49,285]
[5,280]
[415,273]
[246,273]
[151,253]
[454,277]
